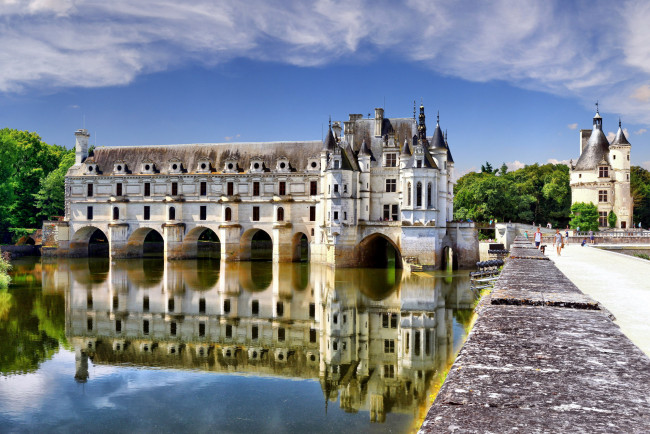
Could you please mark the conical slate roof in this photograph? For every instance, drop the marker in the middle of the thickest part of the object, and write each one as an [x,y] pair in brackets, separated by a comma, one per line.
[450,159]
[438,141]
[364,149]
[620,136]
[405,149]
[330,142]
[596,150]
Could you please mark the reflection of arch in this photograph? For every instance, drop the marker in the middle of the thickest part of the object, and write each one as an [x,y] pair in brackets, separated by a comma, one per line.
[449,259]
[256,245]
[89,241]
[142,273]
[146,242]
[201,241]
[200,275]
[89,271]
[299,276]
[379,251]
[255,277]
[300,247]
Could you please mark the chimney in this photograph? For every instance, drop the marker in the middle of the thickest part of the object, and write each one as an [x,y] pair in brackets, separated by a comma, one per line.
[379,120]
[336,128]
[81,146]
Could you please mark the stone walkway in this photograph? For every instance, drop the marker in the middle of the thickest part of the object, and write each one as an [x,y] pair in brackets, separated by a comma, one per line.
[619,282]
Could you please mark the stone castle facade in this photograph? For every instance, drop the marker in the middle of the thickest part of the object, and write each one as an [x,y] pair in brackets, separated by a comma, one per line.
[602,174]
[372,186]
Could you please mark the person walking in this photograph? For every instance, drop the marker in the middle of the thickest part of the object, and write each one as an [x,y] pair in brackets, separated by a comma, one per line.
[538,238]
[591,236]
[558,242]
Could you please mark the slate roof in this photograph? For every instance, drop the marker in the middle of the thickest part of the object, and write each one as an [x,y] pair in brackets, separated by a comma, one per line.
[596,150]
[620,138]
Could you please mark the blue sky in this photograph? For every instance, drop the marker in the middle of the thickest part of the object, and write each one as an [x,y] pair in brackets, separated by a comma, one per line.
[514,80]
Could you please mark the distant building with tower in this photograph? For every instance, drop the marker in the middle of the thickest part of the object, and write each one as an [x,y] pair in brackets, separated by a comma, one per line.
[602,174]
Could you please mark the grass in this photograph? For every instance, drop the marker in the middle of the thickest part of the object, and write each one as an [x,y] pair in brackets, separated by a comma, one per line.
[5,266]
[642,256]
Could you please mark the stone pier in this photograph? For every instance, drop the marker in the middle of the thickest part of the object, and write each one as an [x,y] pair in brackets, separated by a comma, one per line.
[543,357]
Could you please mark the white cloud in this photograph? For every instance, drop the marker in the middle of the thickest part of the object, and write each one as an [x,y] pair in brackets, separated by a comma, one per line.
[460,173]
[602,51]
[555,161]
[572,126]
[229,138]
[646,165]
[640,131]
[612,135]
[514,165]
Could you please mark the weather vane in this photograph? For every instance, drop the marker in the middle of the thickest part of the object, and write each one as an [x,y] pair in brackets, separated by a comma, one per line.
[596,106]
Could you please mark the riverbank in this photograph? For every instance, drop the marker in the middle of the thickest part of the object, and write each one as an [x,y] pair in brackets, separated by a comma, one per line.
[619,282]
[543,356]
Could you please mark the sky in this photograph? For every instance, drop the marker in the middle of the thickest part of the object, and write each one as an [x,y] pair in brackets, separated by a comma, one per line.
[513,81]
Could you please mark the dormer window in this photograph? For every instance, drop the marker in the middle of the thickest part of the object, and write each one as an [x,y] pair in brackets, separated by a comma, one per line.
[175,166]
[337,164]
[91,169]
[230,166]
[419,163]
[391,159]
[603,172]
[257,165]
[119,168]
[147,166]
[203,165]
[312,164]
[282,165]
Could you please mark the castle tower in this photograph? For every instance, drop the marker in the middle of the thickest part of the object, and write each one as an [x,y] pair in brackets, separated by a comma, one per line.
[81,145]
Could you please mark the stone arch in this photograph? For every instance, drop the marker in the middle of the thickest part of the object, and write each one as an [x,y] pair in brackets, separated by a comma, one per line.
[145,241]
[89,241]
[263,248]
[449,258]
[202,242]
[378,251]
[300,249]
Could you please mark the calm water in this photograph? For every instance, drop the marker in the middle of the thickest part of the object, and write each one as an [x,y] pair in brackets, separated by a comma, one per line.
[147,345]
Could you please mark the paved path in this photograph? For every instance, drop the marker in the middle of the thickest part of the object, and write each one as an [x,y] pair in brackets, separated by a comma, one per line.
[619,282]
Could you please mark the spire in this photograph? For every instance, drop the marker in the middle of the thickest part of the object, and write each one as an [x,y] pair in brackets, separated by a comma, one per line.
[364,151]
[330,142]
[620,138]
[422,128]
[438,140]
[405,149]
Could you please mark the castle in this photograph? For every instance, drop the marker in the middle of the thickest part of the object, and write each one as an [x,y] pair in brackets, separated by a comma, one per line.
[602,174]
[375,191]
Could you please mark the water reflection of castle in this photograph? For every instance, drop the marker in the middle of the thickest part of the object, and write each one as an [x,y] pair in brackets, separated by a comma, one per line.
[374,336]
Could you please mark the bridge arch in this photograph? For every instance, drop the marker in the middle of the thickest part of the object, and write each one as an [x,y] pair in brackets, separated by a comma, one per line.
[256,244]
[89,241]
[379,251]
[300,247]
[449,258]
[146,241]
[202,242]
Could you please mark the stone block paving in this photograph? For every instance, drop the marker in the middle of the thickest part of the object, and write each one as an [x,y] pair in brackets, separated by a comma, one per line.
[543,357]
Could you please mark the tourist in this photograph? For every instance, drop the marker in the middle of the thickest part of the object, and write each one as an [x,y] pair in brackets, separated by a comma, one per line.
[557,242]
[566,235]
[591,236]
[584,241]
[526,234]
[548,225]
[538,238]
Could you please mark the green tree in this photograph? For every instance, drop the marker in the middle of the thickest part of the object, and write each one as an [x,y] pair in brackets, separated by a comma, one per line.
[640,190]
[584,216]
[50,198]
[487,168]
[611,219]
[504,169]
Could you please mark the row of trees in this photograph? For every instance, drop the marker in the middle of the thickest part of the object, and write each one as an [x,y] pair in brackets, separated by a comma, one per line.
[537,193]
[31,179]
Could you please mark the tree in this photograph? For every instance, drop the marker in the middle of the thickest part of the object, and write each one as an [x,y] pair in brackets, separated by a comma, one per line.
[487,168]
[640,189]
[504,169]
[584,216]
[611,219]
[50,198]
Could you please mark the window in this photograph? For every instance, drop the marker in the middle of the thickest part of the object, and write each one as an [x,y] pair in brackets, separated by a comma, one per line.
[147,189]
[312,213]
[90,190]
[391,185]
[256,188]
[408,342]
[227,214]
[386,212]
[174,188]
[170,305]
[116,302]
[335,345]
[389,320]
[201,329]
[602,195]
[118,326]
[255,307]
[256,213]
[281,334]
[391,160]
[416,344]
[312,310]
[335,318]
[313,188]
[427,342]
[89,213]
[603,172]
[336,215]
[280,214]
[116,213]
[394,212]
[312,335]
[282,188]
[226,306]
[228,331]
[389,371]
[419,164]
[389,345]
[172,328]
[345,216]
[345,188]
[393,321]
[336,188]
[429,204]
[628,157]
[172,213]
[203,212]
[602,218]
[337,164]
[201,305]
[118,189]
[614,157]
[204,188]
[147,212]
[254,332]
[89,301]
[418,194]
[145,327]
[231,188]
[279,308]
[408,194]
[145,303]
[89,324]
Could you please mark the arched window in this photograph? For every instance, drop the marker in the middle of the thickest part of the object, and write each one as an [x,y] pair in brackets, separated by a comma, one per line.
[280,214]
[418,195]
[429,204]
[408,194]
[116,213]
[172,213]
[227,214]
